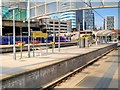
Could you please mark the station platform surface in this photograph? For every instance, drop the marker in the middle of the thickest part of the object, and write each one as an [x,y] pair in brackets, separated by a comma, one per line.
[5,46]
[42,44]
[11,67]
[102,74]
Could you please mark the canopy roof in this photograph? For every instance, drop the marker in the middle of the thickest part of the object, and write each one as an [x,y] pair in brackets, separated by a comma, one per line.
[103,33]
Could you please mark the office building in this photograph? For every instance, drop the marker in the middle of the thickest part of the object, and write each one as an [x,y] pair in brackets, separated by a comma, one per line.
[77,17]
[89,19]
[109,23]
[68,15]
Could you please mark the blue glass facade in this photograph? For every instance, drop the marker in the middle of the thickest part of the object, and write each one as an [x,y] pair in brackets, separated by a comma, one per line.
[69,16]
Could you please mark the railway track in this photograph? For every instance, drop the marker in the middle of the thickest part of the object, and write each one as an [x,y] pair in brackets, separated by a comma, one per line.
[71,74]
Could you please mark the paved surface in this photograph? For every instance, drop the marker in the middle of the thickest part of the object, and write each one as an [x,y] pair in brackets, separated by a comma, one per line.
[5,46]
[11,67]
[42,44]
[102,74]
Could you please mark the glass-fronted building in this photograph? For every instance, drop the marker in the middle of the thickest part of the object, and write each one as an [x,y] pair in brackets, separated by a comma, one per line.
[109,23]
[68,15]
[89,19]
[20,11]
[79,17]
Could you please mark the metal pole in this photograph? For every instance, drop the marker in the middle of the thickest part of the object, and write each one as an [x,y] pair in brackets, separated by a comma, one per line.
[33,46]
[9,39]
[0,18]
[79,36]
[83,24]
[59,36]
[28,28]
[53,36]
[14,48]
[21,42]
[45,6]
[46,40]
[96,39]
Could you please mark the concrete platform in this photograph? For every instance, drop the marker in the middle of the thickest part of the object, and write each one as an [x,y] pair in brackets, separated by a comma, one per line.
[10,66]
[9,48]
[102,74]
[20,72]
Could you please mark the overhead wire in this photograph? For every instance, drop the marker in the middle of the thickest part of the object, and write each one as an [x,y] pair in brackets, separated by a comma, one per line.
[92,8]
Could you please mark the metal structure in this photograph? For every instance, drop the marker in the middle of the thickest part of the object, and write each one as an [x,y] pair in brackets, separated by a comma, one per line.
[0,18]
[103,35]
[39,8]
[44,7]
[14,47]
[28,8]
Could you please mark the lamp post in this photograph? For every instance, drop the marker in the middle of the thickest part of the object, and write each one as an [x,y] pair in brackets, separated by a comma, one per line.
[0,18]
[28,28]
[79,35]
[21,40]
[53,36]
[46,38]
[59,37]
[14,48]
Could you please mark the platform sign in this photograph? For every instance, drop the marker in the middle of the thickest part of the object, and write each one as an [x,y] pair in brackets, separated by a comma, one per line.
[81,37]
[20,44]
[87,36]
[39,35]
[52,43]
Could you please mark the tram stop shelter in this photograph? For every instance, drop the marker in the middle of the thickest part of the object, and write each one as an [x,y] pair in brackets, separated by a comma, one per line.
[105,36]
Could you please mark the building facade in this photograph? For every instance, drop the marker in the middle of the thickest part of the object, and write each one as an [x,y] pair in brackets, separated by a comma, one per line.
[109,23]
[20,12]
[89,19]
[68,15]
[80,19]
[56,25]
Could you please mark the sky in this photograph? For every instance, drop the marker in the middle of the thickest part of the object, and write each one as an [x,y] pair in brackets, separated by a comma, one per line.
[106,12]
[103,12]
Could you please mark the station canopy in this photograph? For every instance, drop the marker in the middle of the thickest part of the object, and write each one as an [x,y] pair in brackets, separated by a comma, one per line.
[103,33]
[40,8]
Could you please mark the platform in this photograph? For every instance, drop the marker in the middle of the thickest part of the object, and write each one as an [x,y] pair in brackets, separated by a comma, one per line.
[9,48]
[10,66]
[20,72]
[102,74]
